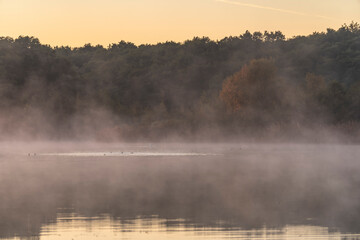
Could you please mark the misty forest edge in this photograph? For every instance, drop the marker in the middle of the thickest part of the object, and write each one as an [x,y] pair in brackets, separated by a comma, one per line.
[256,85]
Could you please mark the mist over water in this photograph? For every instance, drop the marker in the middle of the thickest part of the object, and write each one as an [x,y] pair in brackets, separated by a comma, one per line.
[171,140]
[180,191]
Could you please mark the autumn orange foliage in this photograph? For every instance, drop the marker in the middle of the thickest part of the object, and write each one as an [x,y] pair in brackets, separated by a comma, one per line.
[255,85]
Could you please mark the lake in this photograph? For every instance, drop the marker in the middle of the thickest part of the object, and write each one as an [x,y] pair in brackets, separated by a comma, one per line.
[179,191]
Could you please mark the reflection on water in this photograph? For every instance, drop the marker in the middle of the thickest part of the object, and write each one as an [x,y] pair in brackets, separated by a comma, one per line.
[297,192]
[126,154]
[72,226]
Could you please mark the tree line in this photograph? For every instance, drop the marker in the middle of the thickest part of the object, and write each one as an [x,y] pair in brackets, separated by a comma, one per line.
[243,85]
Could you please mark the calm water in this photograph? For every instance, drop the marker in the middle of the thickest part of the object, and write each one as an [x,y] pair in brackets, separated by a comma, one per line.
[153,191]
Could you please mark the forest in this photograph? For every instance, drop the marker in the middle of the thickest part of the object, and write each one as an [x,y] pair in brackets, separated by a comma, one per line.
[258,85]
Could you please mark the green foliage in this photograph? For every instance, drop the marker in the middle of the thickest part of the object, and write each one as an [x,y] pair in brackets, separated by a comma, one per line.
[176,85]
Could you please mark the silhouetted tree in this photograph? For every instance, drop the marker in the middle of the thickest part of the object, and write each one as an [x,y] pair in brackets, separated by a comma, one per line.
[183,79]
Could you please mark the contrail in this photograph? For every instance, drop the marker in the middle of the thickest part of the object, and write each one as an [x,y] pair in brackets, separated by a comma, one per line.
[272,9]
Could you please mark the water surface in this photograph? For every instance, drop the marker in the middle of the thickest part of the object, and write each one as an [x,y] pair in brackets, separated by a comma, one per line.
[154,191]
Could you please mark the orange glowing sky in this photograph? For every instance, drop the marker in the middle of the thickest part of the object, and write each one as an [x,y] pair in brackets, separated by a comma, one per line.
[76,22]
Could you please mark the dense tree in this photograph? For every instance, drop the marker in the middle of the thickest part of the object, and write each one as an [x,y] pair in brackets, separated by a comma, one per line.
[175,87]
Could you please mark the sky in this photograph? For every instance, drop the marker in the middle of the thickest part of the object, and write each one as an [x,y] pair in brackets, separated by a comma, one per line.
[77,22]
